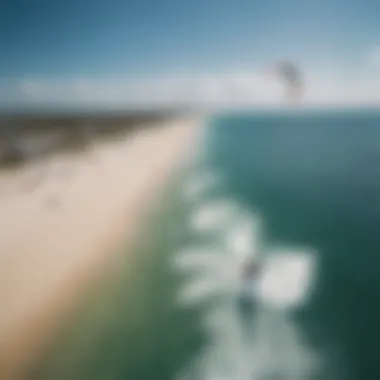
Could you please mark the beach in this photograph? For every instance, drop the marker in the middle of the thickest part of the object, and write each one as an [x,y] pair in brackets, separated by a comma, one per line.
[63,223]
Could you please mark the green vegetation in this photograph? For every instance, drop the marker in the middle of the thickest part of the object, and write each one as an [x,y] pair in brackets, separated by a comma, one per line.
[25,137]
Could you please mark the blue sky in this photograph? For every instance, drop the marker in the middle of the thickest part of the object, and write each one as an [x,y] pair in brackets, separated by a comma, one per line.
[97,40]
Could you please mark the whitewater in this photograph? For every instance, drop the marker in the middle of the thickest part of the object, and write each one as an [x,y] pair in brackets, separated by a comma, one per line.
[263,344]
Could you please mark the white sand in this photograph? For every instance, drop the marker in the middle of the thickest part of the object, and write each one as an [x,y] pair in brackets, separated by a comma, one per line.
[57,234]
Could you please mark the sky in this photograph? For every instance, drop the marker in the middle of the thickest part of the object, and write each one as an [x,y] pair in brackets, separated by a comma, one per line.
[116,53]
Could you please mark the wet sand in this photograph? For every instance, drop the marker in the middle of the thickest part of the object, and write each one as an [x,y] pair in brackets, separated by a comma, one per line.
[62,223]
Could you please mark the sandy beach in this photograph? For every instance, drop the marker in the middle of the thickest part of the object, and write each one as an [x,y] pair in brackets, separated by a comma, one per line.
[63,221]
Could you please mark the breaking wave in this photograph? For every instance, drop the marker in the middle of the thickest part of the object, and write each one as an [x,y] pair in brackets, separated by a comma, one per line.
[242,345]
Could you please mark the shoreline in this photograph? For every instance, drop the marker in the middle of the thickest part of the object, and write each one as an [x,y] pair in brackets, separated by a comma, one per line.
[80,254]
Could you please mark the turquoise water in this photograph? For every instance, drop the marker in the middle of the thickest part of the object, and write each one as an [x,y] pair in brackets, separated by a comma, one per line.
[315,178]
[300,189]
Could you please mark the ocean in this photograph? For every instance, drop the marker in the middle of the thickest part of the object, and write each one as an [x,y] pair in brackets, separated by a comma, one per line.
[298,189]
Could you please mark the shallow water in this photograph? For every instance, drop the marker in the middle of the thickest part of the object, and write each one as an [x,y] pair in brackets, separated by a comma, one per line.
[300,193]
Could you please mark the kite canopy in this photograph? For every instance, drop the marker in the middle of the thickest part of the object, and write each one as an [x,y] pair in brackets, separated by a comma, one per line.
[291,77]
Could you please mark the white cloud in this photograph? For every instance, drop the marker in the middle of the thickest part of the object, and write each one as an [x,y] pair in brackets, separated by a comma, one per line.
[161,90]
[228,89]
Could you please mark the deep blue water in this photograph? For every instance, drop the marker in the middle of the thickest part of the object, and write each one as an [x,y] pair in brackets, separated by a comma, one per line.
[314,178]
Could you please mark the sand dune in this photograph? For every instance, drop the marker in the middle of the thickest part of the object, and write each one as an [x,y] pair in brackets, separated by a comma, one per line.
[62,221]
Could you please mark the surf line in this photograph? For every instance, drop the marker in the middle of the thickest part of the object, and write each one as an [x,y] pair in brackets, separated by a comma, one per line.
[242,344]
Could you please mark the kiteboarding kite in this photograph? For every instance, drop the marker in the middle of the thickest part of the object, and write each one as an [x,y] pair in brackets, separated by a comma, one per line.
[291,77]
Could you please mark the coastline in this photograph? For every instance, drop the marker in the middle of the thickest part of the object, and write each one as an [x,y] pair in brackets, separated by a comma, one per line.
[75,242]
